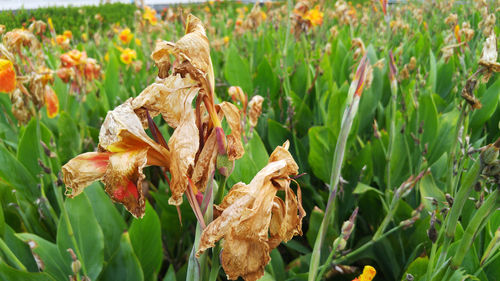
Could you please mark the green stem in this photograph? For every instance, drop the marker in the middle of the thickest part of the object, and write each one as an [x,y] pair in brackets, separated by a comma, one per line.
[392,135]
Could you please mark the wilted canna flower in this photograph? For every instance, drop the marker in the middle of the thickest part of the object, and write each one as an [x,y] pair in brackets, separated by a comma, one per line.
[126,36]
[254,220]
[124,150]
[7,76]
[489,56]
[255,106]
[368,274]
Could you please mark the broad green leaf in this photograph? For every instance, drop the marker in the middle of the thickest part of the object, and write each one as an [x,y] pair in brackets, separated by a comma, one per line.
[112,78]
[170,276]
[82,233]
[109,218]
[444,78]
[9,273]
[20,249]
[124,265]
[445,135]
[277,265]
[432,72]
[277,134]
[428,114]
[145,236]
[363,188]
[489,100]
[237,71]
[55,264]
[418,268]
[321,149]
[429,190]
[16,175]
[69,141]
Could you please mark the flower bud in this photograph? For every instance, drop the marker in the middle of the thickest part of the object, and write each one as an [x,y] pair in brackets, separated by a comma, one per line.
[76,266]
[490,154]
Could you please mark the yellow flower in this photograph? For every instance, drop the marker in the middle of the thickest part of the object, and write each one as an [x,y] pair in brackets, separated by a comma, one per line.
[7,76]
[226,39]
[85,37]
[263,15]
[314,16]
[106,57]
[138,42]
[62,41]
[126,36]
[367,275]
[51,25]
[68,34]
[150,15]
[207,9]
[457,33]
[128,55]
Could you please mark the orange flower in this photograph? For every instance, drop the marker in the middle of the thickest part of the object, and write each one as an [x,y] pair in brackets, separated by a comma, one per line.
[62,40]
[72,58]
[126,36]
[7,76]
[457,33]
[128,55]
[68,34]
[52,102]
[314,16]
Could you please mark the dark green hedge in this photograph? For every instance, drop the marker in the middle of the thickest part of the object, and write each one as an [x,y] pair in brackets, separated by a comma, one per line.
[71,18]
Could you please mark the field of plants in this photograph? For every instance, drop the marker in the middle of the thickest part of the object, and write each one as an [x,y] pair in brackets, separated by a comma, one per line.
[294,140]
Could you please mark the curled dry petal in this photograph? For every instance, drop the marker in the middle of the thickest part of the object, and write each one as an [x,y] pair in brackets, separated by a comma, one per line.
[171,97]
[235,148]
[255,109]
[192,53]
[205,164]
[489,55]
[250,213]
[183,146]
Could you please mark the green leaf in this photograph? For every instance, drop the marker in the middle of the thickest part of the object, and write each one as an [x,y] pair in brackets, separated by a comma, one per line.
[145,236]
[277,134]
[321,149]
[112,78]
[109,218]
[277,265]
[55,264]
[418,268]
[362,188]
[428,189]
[432,71]
[170,276]
[69,141]
[428,114]
[254,159]
[9,273]
[16,175]
[20,249]
[237,71]
[489,100]
[124,265]
[83,229]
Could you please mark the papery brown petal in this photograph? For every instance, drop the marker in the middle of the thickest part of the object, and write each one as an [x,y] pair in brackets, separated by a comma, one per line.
[286,221]
[255,106]
[193,48]
[171,97]
[123,180]
[282,153]
[235,148]
[205,164]
[244,257]
[82,170]
[489,53]
[122,130]
[183,146]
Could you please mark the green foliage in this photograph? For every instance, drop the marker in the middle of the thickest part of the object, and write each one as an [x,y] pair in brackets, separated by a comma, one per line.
[72,18]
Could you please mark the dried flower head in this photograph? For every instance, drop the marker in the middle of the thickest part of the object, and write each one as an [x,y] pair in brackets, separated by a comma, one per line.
[254,220]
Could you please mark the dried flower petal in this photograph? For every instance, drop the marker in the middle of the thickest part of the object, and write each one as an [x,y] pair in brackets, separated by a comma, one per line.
[255,110]
[247,215]
[171,97]
[235,148]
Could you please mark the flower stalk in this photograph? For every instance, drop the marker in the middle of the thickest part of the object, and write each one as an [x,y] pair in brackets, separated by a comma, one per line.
[350,111]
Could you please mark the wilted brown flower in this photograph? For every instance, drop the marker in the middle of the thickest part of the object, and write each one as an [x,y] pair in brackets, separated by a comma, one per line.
[254,220]
[255,106]
[489,57]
